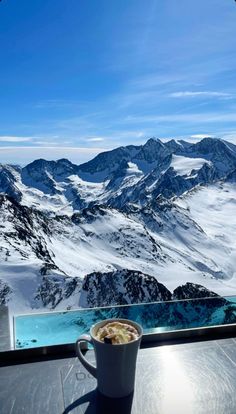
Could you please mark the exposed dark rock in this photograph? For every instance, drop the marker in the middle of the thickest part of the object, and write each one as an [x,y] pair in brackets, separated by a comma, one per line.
[5,292]
[53,289]
[121,287]
[231,178]
[192,291]
[7,183]
[153,151]
[44,175]
[30,226]
[107,161]
[47,268]
[31,233]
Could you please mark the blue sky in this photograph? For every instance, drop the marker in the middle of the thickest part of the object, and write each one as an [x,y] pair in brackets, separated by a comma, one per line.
[81,76]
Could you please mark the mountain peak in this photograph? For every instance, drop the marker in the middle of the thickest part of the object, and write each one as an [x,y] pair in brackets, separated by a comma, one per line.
[209,144]
[153,141]
[64,161]
[210,140]
[154,151]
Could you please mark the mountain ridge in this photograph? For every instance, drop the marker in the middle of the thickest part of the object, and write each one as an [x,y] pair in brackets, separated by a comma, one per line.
[148,215]
[123,175]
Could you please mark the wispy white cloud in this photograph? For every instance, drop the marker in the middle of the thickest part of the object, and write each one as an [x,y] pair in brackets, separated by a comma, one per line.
[229,136]
[48,143]
[95,139]
[151,81]
[207,94]
[34,140]
[189,118]
[7,138]
[27,154]
[201,136]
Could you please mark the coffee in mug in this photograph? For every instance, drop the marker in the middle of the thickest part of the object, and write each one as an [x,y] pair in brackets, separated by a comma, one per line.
[116,343]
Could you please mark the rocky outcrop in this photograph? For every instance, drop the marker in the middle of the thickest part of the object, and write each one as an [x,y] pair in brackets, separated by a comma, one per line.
[28,227]
[191,291]
[231,178]
[153,176]
[116,211]
[5,292]
[8,182]
[195,291]
[100,168]
[44,175]
[125,286]
[154,151]
[54,289]
[121,287]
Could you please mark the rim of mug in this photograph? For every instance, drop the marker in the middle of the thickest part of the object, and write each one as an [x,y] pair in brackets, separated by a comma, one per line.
[105,321]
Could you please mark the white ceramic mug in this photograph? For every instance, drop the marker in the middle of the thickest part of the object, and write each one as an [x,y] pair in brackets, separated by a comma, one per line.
[116,364]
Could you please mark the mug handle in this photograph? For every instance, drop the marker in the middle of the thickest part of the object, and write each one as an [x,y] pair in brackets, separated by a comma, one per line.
[90,368]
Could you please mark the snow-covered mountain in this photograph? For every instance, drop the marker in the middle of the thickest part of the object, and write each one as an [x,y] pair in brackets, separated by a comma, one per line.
[163,211]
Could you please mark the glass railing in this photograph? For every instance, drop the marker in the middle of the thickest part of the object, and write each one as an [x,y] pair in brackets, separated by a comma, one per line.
[36,330]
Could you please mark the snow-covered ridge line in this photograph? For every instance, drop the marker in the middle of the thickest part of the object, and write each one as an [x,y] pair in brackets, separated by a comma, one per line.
[119,176]
[148,215]
[184,165]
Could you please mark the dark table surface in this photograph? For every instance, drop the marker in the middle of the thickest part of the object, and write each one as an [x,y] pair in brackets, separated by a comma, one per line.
[188,378]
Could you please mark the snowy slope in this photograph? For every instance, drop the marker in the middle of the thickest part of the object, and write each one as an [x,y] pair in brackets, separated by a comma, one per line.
[166,210]
[214,209]
[184,165]
[126,174]
[161,241]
